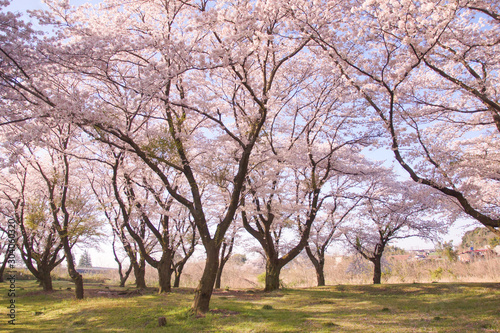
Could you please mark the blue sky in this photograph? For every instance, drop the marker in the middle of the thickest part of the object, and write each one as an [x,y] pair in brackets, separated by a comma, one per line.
[23,5]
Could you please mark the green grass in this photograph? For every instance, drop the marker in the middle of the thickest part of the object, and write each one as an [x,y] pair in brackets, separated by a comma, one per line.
[456,307]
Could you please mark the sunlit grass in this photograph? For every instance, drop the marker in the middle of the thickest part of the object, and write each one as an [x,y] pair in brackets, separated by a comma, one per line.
[365,308]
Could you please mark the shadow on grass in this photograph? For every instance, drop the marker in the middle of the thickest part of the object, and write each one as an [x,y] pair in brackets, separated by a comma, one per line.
[384,308]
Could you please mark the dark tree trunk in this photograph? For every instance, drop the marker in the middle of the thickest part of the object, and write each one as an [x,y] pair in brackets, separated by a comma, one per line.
[70,261]
[75,276]
[320,275]
[179,266]
[224,257]
[165,273]
[177,277]
[140,274]
[4,264]
[273,271]
[219,275]
[319,265]
[124,277]
[205,288]
[139,267]
[377,269]
[45,281]
[78,279]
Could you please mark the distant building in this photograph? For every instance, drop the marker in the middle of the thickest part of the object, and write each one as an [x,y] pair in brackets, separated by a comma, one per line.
[95,270]
[410,256]
[400,257]
[472,255]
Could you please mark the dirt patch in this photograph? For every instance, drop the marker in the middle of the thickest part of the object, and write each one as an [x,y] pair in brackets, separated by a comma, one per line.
[92,293]
[239,294]
[110,292]
[114,293]
[224,312]
[57,294]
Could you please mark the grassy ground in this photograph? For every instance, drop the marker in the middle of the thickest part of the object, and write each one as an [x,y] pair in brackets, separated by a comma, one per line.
[455,307]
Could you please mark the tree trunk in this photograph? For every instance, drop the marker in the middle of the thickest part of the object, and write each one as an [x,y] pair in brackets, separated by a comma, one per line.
[319,265]
[70,261]
[75,276]
[140,274]
[177,277]
[223,260]
[46,281]
[4,264]
[124,277]
[377,269]
[78,279]
[219,274]
[273,270]
[205,288]
[320,274]
[165,274]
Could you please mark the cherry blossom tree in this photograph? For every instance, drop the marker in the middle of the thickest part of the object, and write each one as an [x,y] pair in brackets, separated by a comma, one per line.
[38,244]
[174,223]
[132,199]
[51,206]
[425,69]
[325,229]
[392,211]
[181,86]
[124,274]
[4,248]
[18,72]
[101,181]
[293,175]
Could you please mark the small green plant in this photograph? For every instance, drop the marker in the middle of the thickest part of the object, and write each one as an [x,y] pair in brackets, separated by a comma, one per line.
[447,251]
[261,278]
[267,307]
[437,274]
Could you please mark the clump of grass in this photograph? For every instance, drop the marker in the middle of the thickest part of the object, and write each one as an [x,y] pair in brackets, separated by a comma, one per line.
[80,322]
[267,307]
[386,310]
[330,324]
[184,314]
[486,326]
[325,301]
